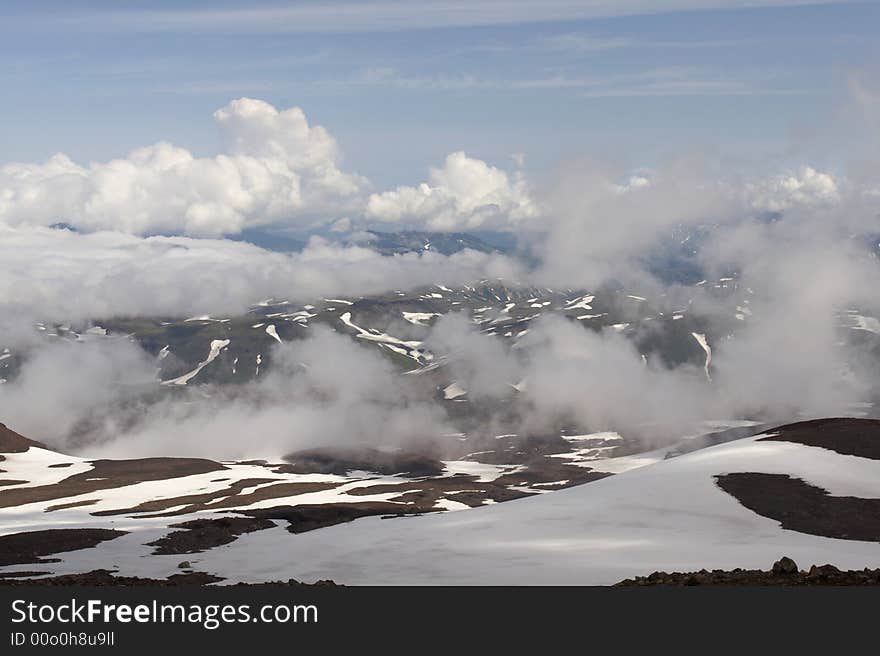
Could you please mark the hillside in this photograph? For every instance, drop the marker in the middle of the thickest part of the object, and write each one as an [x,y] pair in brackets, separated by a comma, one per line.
[809,490]
[671,515]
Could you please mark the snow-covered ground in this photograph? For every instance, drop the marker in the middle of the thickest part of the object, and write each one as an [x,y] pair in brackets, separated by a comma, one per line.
[665,516]
[660,511]
[658,514]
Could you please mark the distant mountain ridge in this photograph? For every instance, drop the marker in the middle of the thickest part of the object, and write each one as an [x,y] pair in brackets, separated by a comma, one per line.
[415,241]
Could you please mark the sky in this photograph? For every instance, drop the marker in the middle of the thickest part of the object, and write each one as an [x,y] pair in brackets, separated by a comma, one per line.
[401,85]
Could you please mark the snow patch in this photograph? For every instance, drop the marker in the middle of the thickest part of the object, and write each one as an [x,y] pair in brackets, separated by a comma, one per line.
[704,344]
[217,345]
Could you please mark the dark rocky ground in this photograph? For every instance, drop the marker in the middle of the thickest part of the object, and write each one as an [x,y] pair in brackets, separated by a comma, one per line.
[12,442]
[800,506]
[784,572]
[200,534]
[104,578]
[33,546]
[805,508]
[845,435]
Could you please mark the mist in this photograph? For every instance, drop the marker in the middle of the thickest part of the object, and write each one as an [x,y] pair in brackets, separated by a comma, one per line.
[102,398]
[801,241]
[63,276]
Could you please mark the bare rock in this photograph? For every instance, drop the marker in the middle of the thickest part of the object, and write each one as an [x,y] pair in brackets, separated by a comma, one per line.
[785,566]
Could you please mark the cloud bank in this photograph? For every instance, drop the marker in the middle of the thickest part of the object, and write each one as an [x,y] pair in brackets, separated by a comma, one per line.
[60,275]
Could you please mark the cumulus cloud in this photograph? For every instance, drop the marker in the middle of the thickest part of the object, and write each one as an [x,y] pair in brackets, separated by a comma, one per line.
[464,194]
[808,187]
[276,168]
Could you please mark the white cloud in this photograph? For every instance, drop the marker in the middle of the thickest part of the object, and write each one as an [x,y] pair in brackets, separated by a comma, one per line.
[808,188]
[65,276]
[277,167]
[632,183]
[465,194]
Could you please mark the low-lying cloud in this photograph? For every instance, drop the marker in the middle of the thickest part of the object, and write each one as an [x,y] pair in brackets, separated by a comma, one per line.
[60,275]
[102,398]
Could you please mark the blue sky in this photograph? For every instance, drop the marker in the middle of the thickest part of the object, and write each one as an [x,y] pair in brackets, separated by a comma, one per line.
[400,85]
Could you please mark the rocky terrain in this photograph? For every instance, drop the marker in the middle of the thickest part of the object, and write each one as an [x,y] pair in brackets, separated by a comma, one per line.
[784,572]
[223,349]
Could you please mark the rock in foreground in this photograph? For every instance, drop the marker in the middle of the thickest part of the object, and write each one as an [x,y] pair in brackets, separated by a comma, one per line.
[783,572]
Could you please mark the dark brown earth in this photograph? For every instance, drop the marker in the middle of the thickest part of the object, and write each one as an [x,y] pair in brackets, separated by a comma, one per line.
[233,497]
[538,466]
[309,517]
[541,472]
[783,572]
[847,436]
[201,534]
[799,506]
[72,504]
[103,577]
[520,449]
[107,475]
[31,546]
[342,461]
[462,488]
[12,442]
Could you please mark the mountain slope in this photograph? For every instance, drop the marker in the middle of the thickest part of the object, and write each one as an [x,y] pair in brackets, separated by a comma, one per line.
[809,490]
[668,516]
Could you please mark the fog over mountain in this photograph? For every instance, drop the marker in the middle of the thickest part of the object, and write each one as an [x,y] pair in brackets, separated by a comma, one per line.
[800,241]
[583,290]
